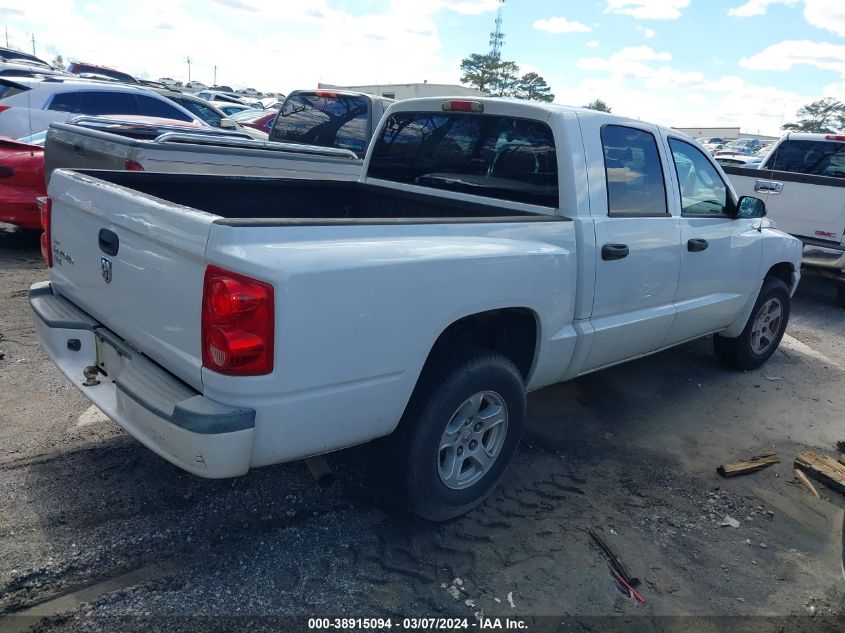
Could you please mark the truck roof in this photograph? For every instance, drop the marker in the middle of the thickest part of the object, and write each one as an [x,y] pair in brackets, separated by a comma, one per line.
[519,108]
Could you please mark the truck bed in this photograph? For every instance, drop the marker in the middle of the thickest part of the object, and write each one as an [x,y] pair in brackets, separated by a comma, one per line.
[253,201]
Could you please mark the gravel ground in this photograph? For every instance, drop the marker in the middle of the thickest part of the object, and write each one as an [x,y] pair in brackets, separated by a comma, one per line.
[99,534]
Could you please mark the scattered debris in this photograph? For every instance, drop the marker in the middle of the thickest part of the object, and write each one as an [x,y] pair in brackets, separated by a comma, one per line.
[824,468]
[614,559]
[841,446]
[773,378]
[729,521]
[758,462]
[510,600]
[763,546]
[469,603]
[454,589]
[807,483]
[631,591]
[497,600]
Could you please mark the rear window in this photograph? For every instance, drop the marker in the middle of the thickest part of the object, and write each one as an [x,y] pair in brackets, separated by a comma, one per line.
[339,121]
[816,158]
[494,156]
[96,102]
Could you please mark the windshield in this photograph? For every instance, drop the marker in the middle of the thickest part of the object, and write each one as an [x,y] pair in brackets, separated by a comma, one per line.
[328,121]
[495,156]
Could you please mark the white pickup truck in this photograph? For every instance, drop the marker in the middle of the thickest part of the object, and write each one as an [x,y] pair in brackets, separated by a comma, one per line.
[317,134]
[802,181]
[492,248]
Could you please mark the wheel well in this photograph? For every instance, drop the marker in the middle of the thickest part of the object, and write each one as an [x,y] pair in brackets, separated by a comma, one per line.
[782,271]
[512,332]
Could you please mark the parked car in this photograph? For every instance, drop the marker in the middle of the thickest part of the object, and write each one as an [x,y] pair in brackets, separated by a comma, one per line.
[353,115]
[252,321]
[30,105]
[21,182]
[27,68]
[737,160]
[209,113]
[231,109]
[170,82]
[802,179]
[261,120]
[195,85]
[214,95]
[79,68]
[14,55]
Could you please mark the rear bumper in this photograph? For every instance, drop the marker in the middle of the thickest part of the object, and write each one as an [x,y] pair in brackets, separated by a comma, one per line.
[189,430]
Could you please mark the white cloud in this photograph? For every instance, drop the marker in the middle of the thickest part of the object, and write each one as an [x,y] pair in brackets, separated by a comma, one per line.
[559,24]
[756,7]
[648,33]
[826,14]
[784,55]
[648,9]
[628,62]
[593,44]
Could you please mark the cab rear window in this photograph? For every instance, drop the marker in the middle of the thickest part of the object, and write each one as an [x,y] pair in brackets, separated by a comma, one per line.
[339,121]
[817,158]
[494,156]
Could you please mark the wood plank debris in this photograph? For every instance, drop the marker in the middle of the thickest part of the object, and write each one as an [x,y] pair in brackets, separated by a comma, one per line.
[826,469]
[807,483]
[758,462]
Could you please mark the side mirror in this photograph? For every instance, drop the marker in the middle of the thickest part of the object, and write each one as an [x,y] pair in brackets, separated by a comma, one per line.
[228,124]
[750,207]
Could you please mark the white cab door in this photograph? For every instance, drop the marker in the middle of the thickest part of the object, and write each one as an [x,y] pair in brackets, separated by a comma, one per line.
[720,253]
[637,245]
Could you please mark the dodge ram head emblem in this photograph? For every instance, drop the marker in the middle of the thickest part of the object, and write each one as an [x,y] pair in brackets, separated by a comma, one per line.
[105,267]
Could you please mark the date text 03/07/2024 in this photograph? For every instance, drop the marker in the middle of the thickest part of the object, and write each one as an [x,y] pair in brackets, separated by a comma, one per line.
[416,624]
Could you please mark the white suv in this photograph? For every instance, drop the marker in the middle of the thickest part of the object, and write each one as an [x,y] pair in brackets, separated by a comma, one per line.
[28,106]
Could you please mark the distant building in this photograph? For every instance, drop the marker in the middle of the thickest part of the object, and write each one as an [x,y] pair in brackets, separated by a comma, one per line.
[725,133]
[410,91]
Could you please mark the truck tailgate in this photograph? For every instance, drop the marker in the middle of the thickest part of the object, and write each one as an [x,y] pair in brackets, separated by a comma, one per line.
[133,262]
[801,205]
[92,150]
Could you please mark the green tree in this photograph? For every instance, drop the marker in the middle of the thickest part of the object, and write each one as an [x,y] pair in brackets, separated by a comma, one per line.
[506,79]
[58,62]
[599,105]
[480,71]
[532,86]
[823,116]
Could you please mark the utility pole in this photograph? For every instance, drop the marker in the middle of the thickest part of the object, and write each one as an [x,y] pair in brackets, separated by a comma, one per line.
[497,38]
[215,74]
[189,69]
[33,43]
[7,37]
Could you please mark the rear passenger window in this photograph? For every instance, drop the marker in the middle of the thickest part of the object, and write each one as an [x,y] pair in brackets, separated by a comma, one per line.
[150,106]
[817,158]
[96,102]
[635,185]
[495,156]
[65,102]
[702,189]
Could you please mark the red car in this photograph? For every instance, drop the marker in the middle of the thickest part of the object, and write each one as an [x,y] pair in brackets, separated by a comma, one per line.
[259,120]
[21,181]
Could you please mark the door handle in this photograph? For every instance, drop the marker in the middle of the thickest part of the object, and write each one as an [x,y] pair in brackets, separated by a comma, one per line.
[695,246]
[611,252]
[108,242]
[768,186]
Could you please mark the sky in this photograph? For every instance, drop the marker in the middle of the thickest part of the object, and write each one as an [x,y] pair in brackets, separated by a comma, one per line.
[683,63]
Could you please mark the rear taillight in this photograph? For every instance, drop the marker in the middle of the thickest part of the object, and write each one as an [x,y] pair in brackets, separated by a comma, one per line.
[325,93]
[4,108]
[834,137]
[45,209]
[6,172]
[237,324]
[131,165]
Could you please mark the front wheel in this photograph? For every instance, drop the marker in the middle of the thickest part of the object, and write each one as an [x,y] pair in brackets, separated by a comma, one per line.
[763,332]
[459,433]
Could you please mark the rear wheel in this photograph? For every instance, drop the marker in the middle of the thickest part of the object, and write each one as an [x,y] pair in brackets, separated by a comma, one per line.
[459,433]
[763,332]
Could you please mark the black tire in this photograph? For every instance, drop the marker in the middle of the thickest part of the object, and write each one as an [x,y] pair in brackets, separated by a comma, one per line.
[444,386]
[738,352]
[840,293]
